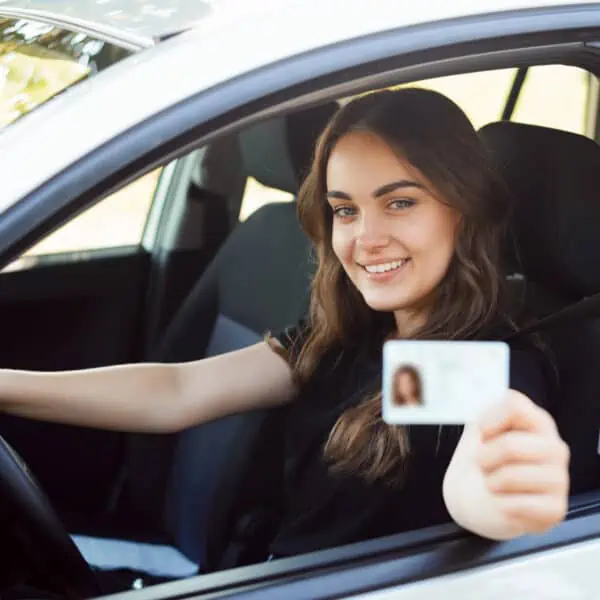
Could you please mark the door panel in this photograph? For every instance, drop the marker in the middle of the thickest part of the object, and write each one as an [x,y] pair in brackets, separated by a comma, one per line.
[63,315]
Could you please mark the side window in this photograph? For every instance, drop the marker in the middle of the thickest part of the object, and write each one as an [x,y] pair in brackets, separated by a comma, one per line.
[38,61]
[555,96]
[118,220]
[551,95]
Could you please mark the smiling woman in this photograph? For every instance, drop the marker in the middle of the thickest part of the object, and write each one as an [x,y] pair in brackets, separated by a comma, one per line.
[322,471]
[366,234]
[399,181]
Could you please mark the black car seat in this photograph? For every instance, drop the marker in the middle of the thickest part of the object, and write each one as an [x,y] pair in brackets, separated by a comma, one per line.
[221,472]
[209,486]
[554,177]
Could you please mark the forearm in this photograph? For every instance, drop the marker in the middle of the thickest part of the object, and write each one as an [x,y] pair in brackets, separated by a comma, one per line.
[127,398]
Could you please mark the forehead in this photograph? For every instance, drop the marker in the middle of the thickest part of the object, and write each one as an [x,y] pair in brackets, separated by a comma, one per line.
[362,161]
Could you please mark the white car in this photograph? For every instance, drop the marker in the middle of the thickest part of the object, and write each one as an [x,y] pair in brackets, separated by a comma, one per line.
[149,157]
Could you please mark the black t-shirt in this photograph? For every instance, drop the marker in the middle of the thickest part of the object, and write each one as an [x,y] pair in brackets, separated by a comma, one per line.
[323,509]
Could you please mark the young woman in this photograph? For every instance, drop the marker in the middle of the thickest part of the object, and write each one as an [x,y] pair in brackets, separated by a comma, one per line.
[407,217]
[407,387]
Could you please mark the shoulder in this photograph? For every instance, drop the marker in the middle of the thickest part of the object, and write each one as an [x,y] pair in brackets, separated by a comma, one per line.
[294,337]
[324,367]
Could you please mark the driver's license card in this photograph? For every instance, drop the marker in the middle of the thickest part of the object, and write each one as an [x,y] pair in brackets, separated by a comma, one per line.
[442,382]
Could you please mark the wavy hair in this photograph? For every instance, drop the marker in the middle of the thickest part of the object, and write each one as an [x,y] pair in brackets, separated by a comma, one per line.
[433,134]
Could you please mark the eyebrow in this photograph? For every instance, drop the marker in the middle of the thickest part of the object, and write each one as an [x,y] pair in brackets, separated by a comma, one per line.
[382,191]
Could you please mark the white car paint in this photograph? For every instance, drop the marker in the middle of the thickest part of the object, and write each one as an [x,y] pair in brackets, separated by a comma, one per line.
[221,47]
[568,573]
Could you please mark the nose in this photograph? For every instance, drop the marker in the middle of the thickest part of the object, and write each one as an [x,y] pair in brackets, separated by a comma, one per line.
[372,233]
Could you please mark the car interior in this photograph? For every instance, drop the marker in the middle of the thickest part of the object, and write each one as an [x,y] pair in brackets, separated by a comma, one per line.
[150,508]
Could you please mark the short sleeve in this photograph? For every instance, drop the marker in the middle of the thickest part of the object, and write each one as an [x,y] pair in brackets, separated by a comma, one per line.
[293,338]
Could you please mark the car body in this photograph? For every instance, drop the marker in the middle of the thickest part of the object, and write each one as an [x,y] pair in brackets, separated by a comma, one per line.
[189,77]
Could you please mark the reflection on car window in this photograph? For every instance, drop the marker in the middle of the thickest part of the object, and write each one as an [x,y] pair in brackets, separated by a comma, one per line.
[38,61]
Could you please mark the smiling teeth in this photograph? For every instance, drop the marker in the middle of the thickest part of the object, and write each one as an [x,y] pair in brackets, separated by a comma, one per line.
[383,268]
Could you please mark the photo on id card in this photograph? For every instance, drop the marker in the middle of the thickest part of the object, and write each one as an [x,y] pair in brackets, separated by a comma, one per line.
[442,382]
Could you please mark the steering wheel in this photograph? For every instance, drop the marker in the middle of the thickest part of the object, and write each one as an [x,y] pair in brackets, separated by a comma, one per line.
[36,535]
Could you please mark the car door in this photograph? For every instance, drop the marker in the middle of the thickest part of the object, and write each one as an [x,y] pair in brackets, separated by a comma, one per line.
[86,280]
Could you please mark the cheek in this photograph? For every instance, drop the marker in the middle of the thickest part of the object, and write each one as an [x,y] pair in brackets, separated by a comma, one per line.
[437,238]
[341,244]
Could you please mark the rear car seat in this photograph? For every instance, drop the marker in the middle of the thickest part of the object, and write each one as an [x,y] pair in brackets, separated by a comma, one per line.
[208,486]
[554,177]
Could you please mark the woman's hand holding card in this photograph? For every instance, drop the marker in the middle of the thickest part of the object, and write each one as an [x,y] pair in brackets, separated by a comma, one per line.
[509,474]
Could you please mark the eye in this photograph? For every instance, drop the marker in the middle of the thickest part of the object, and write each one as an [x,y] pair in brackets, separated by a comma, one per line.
[402,203]
[343,211]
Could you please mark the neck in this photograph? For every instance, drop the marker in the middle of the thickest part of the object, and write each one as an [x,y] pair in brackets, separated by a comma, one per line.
[409,321]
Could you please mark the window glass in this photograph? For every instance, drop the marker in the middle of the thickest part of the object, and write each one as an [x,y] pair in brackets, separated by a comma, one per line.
[552,96]
[116,221]
[38,61]
[257,195]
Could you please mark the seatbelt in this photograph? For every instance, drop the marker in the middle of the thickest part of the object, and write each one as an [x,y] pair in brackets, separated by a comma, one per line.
[586,308]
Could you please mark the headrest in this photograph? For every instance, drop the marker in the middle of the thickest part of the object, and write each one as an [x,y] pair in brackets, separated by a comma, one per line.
[278,152]
[554,178]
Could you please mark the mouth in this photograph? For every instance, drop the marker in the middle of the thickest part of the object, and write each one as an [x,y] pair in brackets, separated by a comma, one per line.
[385,267]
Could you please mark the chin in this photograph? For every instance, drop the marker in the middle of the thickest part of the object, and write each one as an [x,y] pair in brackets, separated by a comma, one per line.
[388,304]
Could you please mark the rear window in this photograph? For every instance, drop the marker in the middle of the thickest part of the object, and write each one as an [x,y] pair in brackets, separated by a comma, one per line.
[39,61]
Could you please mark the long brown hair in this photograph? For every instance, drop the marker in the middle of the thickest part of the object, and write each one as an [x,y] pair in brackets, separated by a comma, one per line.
[433,135]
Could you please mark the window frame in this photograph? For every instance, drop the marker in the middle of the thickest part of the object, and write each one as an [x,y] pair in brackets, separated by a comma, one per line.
[380,564]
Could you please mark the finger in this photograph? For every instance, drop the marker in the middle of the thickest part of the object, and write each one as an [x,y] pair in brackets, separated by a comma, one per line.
[528,479]
[535,513]
[515,412]
[521,447]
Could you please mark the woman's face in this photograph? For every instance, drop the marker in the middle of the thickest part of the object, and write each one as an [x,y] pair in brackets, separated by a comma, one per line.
[406,388]
[393,237]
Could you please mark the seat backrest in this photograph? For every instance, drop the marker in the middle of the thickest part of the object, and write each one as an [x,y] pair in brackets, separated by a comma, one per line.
[554,178]
[258,282]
